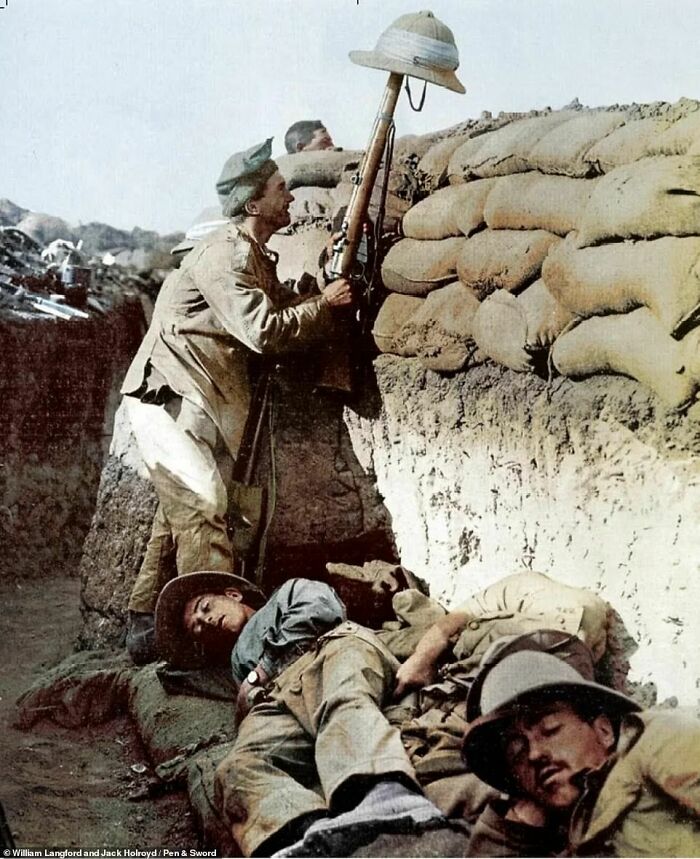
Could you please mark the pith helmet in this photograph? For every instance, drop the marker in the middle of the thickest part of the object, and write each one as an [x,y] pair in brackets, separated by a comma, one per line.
[419,45]
[521,680]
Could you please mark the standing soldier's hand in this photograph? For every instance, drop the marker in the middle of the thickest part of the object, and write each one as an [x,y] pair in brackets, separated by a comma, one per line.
[338,293]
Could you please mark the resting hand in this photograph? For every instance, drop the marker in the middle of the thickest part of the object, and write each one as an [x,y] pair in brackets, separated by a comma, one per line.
[414,674]
[244,698]
[528,812]
[338,293]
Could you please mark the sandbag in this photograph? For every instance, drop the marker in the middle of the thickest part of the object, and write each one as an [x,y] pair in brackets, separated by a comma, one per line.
[511,329]
[652,197]
[415,267]
[503,259]
[322,168]
[451,211]
[626,144]
[531,201]
[662,274]
[500,331]
[633,344]
[311,203]
[432,168]
[564,148]
[679,139]
[545,317]
[503,151]
[299,252]
[173,728]
[440,331]
[412,146]
[394,312]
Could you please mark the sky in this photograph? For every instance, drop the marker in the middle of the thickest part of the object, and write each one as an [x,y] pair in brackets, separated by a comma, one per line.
[124,111]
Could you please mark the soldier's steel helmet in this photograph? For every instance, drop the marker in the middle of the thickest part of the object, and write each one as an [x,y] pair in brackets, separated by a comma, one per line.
[419,45]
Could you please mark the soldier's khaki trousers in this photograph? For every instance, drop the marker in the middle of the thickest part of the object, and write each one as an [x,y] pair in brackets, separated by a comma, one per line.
[321,725]
[190,467]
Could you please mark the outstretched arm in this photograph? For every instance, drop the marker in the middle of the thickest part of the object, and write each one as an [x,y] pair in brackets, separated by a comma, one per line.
[420,668]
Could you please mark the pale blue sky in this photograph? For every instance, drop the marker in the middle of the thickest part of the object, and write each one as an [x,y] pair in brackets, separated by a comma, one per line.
[124,111]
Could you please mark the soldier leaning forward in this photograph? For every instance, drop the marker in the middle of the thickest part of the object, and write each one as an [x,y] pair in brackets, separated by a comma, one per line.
[188,390]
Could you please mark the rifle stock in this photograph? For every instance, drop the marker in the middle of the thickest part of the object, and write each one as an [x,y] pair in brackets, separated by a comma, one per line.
[345,249]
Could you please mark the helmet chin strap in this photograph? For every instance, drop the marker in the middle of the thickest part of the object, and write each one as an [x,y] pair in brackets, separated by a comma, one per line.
[410,99]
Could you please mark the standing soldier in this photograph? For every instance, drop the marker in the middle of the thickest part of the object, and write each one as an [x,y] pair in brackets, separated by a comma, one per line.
[188,390]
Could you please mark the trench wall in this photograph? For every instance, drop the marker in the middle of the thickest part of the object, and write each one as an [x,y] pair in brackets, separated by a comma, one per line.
[327,507]
[592,482]
[57,388]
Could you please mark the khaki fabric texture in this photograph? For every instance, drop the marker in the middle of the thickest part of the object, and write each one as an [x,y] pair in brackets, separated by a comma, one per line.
[563,149]
[432,168]
[682,137]
[300,251]
[311,204]
[649,804]
[323,169]
[634,344]
[574,610]
[532,201]
[395,311]
[321,725]
[191,469]
[414,267]
[452,211]
[500,331]
[503,259]
[546,317]
[650,198]
[503,151]
[415,613]
[413,146]
[440,331]
[626,144]
[510,329]
[662,274]
[223,303]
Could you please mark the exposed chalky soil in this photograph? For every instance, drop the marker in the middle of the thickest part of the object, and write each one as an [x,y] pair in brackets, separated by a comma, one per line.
[72,789]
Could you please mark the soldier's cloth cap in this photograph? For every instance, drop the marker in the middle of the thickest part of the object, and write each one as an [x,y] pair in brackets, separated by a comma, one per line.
[242,175]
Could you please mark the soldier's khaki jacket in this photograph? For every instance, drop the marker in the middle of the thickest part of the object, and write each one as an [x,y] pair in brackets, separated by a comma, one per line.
[223,303]
[649,803]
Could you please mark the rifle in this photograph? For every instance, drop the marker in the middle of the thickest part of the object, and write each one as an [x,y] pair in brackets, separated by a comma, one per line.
[420,46]
[355,247]
[248,505]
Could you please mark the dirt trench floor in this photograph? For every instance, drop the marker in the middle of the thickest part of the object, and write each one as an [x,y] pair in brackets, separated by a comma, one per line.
[68,789]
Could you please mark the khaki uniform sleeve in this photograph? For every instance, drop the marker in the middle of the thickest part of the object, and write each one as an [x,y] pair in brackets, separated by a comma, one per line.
[671,757]
[249,314]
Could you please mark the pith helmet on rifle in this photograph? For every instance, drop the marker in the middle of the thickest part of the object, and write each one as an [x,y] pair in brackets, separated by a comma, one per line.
[418,45]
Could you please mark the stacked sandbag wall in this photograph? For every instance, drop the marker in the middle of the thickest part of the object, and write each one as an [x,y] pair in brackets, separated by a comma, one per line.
[548,221]
[550,277]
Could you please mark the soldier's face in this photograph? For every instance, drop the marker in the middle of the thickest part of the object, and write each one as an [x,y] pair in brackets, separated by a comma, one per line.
[320,139]
[547,752]
[272,206]
[216,618]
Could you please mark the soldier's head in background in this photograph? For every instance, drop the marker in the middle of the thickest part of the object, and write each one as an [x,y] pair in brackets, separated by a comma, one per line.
[307,135]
